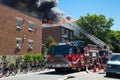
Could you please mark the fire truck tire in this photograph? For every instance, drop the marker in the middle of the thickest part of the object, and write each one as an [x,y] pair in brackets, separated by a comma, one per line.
[78,66]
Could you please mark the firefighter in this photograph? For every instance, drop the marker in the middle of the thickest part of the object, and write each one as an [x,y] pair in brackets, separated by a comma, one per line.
[87,56]
[104,62]
[87,64]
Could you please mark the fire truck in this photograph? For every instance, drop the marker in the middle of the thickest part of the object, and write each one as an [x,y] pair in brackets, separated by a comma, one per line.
[71,55]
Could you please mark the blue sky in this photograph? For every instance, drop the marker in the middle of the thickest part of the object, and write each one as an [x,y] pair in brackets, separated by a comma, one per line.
[77,8]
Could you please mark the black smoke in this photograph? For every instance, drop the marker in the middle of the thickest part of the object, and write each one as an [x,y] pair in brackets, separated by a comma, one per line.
[43,9]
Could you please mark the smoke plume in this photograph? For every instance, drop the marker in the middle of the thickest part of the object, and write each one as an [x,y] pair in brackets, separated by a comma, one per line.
[42,9]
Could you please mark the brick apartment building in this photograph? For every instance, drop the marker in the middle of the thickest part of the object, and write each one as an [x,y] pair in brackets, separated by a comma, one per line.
[19,33]
[58,33]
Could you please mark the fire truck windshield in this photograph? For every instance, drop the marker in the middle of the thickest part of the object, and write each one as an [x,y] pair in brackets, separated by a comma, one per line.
[61,50]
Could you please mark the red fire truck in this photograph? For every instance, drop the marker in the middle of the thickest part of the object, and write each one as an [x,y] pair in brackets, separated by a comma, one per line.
[71,55]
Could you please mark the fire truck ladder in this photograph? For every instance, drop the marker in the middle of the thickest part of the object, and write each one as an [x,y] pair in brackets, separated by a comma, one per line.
[116,43]
[91,37]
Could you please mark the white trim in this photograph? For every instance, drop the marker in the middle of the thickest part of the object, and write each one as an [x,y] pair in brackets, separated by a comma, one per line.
[94,51]
[31,22]
[19,18]
[29,40]
[18,39]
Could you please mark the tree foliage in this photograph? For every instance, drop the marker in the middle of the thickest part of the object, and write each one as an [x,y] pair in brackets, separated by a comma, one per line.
[49,41]
[115,38]
[97,25]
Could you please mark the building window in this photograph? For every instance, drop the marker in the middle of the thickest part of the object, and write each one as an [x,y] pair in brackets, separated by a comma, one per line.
[30,44]
[71,34]
[62,40]
[67,40]
[67,32]
[18,43]
[63,31]
[30,26]
[19,23]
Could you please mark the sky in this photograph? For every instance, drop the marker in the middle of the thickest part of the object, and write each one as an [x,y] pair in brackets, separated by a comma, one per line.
[77,8]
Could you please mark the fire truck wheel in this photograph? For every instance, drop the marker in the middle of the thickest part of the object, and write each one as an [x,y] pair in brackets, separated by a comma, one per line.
[78,66]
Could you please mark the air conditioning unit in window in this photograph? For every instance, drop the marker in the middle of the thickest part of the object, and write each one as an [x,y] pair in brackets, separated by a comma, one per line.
[18,27]
[18,47]
[30,29]
[31,47]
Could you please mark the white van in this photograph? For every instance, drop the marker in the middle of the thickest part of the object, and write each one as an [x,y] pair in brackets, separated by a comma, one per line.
[113,64]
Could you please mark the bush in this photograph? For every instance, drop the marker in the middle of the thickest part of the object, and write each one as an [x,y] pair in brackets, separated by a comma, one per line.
[12,64]
[4,58]
[33,57]
[39,57]
[27,57]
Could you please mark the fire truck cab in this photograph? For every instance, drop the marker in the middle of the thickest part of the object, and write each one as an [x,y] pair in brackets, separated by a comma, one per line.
[71,55]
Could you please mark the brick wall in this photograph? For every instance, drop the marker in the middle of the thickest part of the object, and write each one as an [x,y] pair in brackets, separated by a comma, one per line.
[9,32]
[54,32]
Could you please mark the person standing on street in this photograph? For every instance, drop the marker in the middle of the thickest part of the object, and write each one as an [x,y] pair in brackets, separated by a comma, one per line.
[87,65]
[104,62]
[87,58]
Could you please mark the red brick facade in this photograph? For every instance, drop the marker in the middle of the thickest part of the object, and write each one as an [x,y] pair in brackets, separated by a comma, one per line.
[56,33]
[9,32]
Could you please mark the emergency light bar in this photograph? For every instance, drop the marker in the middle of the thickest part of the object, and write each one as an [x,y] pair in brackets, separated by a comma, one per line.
[66,43]
[72,43]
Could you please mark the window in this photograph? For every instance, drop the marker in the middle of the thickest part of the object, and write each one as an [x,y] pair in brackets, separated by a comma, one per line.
[67,40]
[30,44]
[19,23]
[60,50]
[71,50]
[115,58]
[18,43]
[62,40]
[67,32]
[71,34]
[30,26]
[94,54]
[63,31]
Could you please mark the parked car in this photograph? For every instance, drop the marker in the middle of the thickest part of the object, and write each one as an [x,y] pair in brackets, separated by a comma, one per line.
[113,64]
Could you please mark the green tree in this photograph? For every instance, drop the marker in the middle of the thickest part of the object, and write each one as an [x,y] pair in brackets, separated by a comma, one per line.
[97,25]
[115,38]
[50,41]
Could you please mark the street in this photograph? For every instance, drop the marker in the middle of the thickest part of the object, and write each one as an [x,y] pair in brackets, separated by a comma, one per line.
[52,75]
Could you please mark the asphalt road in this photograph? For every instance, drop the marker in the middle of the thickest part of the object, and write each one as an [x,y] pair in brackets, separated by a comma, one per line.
[52,75]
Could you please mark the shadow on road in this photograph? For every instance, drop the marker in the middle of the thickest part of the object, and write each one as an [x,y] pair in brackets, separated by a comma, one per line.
[57,73]
[115,76]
